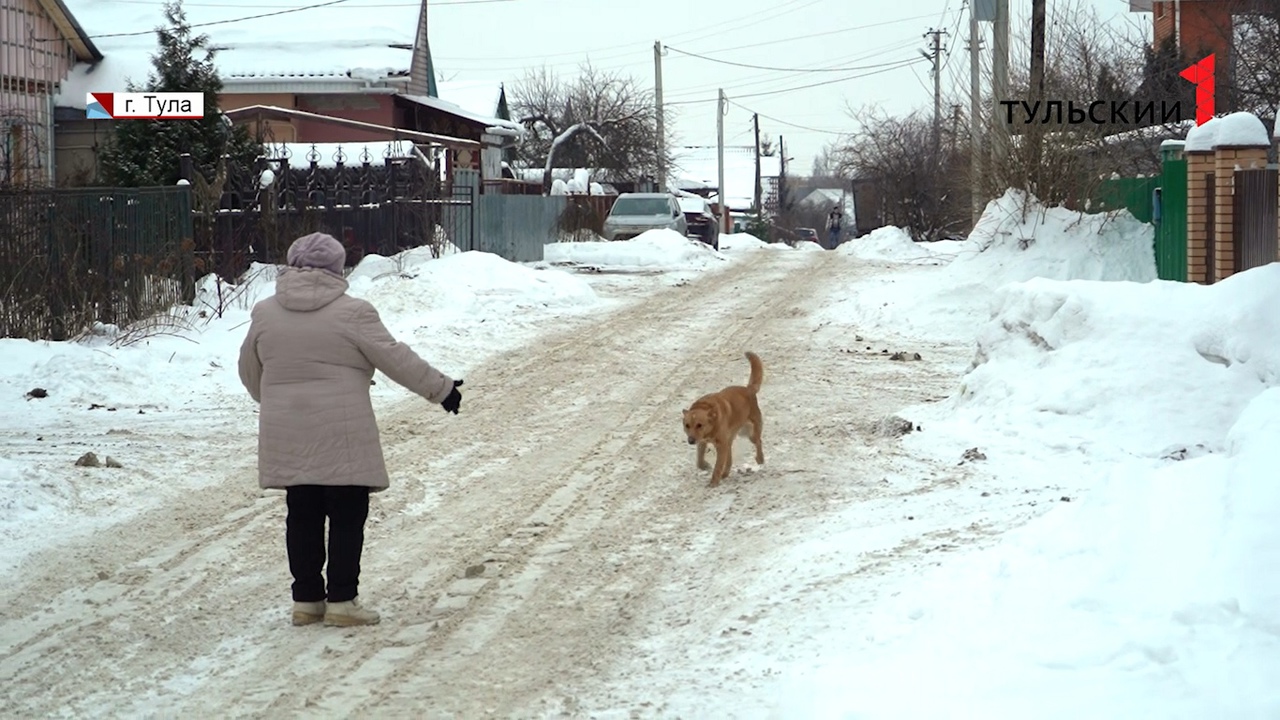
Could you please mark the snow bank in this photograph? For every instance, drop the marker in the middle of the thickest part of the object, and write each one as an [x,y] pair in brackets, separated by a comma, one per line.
[1075,359]
[652,250]
[808,245]
[742,242]
[1015,240]
[1156,593]
[893,244]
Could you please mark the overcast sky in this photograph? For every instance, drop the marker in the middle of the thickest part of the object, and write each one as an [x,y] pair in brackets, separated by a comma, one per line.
[499,39]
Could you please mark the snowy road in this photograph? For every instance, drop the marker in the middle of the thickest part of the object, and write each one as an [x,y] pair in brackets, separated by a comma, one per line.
[550,550]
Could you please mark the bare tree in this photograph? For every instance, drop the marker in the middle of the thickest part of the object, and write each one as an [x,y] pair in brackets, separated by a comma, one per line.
[918,187]
[598,119]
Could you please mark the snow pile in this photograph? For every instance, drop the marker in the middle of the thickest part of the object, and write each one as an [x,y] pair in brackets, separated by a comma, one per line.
[1156,592]
[465,293]
[1241,129]
[742,242]
[1016,239]
[1071,358]
[651,250]
[1202,138]
[808,245]
[893,244]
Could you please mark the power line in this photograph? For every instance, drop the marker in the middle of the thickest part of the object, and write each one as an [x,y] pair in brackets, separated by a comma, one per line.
[216,22]
[821,34]
[766,79]
[434,4]
[784,122]
[778,69]
[810,85]
[733,26]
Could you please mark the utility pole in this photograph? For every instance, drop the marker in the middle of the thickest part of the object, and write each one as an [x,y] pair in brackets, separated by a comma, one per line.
[755,120]
[724,204]
[1037,49]
[936,58]
[999,84]
[783,190]
[661,126]
[955,126]
[1037,76]
[975,113]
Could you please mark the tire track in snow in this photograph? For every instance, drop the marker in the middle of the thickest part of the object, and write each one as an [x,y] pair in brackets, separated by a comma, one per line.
[599,486]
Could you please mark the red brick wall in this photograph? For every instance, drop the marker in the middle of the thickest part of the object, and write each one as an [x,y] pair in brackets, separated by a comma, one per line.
[1206,26]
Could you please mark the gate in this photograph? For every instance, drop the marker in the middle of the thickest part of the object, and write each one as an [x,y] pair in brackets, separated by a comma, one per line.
[1257,195]
[1171,225]
[385,205]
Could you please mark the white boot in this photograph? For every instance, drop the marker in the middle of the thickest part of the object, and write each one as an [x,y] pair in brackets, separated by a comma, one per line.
[305,613]
[347,614]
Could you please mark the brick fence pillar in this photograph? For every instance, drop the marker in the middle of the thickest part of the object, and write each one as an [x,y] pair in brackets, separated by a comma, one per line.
[1199,165]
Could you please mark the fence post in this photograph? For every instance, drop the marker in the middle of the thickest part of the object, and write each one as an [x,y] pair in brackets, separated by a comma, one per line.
[57,275]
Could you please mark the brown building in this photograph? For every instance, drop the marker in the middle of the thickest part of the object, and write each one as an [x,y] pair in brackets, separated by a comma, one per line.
[362,60]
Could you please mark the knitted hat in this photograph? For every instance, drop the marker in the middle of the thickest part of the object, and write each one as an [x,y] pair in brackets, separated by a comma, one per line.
[318,250]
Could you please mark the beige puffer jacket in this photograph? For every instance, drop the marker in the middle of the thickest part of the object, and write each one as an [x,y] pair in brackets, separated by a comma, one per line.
[308,359]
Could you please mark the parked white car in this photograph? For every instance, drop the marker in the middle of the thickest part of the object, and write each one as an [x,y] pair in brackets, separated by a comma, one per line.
[636,213]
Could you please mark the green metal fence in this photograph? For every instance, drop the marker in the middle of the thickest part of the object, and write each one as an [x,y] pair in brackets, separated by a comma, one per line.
[1132,194]
[1171,225]
[1159,200]
[72,257]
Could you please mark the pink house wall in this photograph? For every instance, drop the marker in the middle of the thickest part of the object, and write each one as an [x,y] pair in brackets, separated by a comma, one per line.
[29,71]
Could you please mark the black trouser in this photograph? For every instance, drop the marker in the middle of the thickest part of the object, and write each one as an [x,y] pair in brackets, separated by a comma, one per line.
[347,507]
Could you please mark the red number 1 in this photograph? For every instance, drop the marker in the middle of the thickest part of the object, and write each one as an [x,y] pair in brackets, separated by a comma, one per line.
[1202,76]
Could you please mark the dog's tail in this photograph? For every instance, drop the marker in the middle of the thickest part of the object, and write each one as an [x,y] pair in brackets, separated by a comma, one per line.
[757,372]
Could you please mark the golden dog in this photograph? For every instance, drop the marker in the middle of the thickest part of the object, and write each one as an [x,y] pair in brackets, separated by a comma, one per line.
[717,418]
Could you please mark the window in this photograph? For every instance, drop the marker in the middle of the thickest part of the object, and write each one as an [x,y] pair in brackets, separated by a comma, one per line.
[641,206]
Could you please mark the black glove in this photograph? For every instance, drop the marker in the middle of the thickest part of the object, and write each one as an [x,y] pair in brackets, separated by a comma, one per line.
[453,399]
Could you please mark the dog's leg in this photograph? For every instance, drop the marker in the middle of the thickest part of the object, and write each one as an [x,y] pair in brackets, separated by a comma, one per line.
[756,429]
[702,456]
[724,460]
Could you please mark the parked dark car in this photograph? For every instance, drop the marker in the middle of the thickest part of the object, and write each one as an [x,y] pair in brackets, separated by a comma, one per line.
[703,224]
[808,234]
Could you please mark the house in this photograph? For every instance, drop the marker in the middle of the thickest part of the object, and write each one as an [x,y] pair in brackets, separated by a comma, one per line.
[1199,27]
[39,42]
[697,171]
[824,199]
[363,61]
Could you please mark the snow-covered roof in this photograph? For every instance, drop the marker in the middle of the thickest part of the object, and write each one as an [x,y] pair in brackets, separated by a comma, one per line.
[361,39]
[1202,138]
[697,167]
[479,97]
[455,109]
[826,196]
[1241,129]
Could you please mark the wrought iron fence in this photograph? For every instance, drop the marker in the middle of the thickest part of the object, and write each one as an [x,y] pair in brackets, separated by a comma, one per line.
[383,205]
[73,257]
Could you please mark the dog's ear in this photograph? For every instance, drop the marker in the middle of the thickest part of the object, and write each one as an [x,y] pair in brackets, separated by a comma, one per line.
[712,414]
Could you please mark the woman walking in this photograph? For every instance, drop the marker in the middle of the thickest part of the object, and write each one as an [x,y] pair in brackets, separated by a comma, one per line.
[308,361]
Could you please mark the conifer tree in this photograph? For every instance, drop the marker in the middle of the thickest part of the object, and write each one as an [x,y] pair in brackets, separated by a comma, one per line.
[147,152]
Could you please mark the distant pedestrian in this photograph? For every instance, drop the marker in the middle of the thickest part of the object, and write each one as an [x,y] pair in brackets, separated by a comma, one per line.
[835,223]
[308,360]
